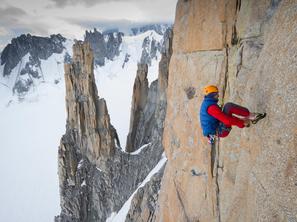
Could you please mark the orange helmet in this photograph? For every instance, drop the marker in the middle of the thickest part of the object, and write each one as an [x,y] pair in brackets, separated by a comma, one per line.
[210,89]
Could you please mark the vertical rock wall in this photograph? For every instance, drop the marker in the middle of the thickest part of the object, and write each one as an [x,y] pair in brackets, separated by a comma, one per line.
[89,141]
[87,114]
[248,48]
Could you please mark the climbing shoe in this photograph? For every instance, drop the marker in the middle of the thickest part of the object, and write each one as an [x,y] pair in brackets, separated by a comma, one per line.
[258,117]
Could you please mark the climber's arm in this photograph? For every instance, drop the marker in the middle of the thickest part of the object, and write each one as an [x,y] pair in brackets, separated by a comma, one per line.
[217,113]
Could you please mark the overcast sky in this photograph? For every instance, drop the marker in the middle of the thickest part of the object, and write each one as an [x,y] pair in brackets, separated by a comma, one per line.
[72,17]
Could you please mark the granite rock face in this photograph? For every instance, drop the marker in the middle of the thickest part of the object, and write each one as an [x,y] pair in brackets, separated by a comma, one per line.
[96,176]
[104,45]
[38,48]
[250,53]
[205,25]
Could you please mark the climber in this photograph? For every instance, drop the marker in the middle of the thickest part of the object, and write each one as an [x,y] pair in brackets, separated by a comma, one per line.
[218,122]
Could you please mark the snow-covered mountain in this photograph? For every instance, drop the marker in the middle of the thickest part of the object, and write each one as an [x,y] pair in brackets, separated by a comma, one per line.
[129,28]
[32,97]
[32,118]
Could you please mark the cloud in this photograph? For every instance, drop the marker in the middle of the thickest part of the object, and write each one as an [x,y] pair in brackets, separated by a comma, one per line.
[88,3]
[72,17]
[158,10]
[103,23]
[3,31]
[11,11]
[152,5]
[11,15]
[10,18]
[15,21]
[144,11]
[14,18]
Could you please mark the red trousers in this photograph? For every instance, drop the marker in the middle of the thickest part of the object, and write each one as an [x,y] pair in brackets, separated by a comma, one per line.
[230,109]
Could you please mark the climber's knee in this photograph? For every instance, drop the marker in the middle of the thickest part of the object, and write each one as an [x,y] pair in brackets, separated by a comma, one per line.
[232,108]
[224,134]
[228,107]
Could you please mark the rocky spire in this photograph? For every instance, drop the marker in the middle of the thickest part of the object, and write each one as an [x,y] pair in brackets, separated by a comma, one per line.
[139,99]
[87,113]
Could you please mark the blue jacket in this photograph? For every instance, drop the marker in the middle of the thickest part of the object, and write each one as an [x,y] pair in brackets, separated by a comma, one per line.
[209,124]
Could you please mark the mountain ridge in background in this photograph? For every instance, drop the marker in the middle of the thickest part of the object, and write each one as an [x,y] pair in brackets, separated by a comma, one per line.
[32,97]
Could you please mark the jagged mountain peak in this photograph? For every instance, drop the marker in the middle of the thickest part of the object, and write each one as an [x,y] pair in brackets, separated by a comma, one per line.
[25,62]
[158,28]
[30,60]
[104,45]
[38,48]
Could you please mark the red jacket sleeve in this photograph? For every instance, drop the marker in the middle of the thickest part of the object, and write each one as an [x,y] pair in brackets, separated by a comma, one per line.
[217,113]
